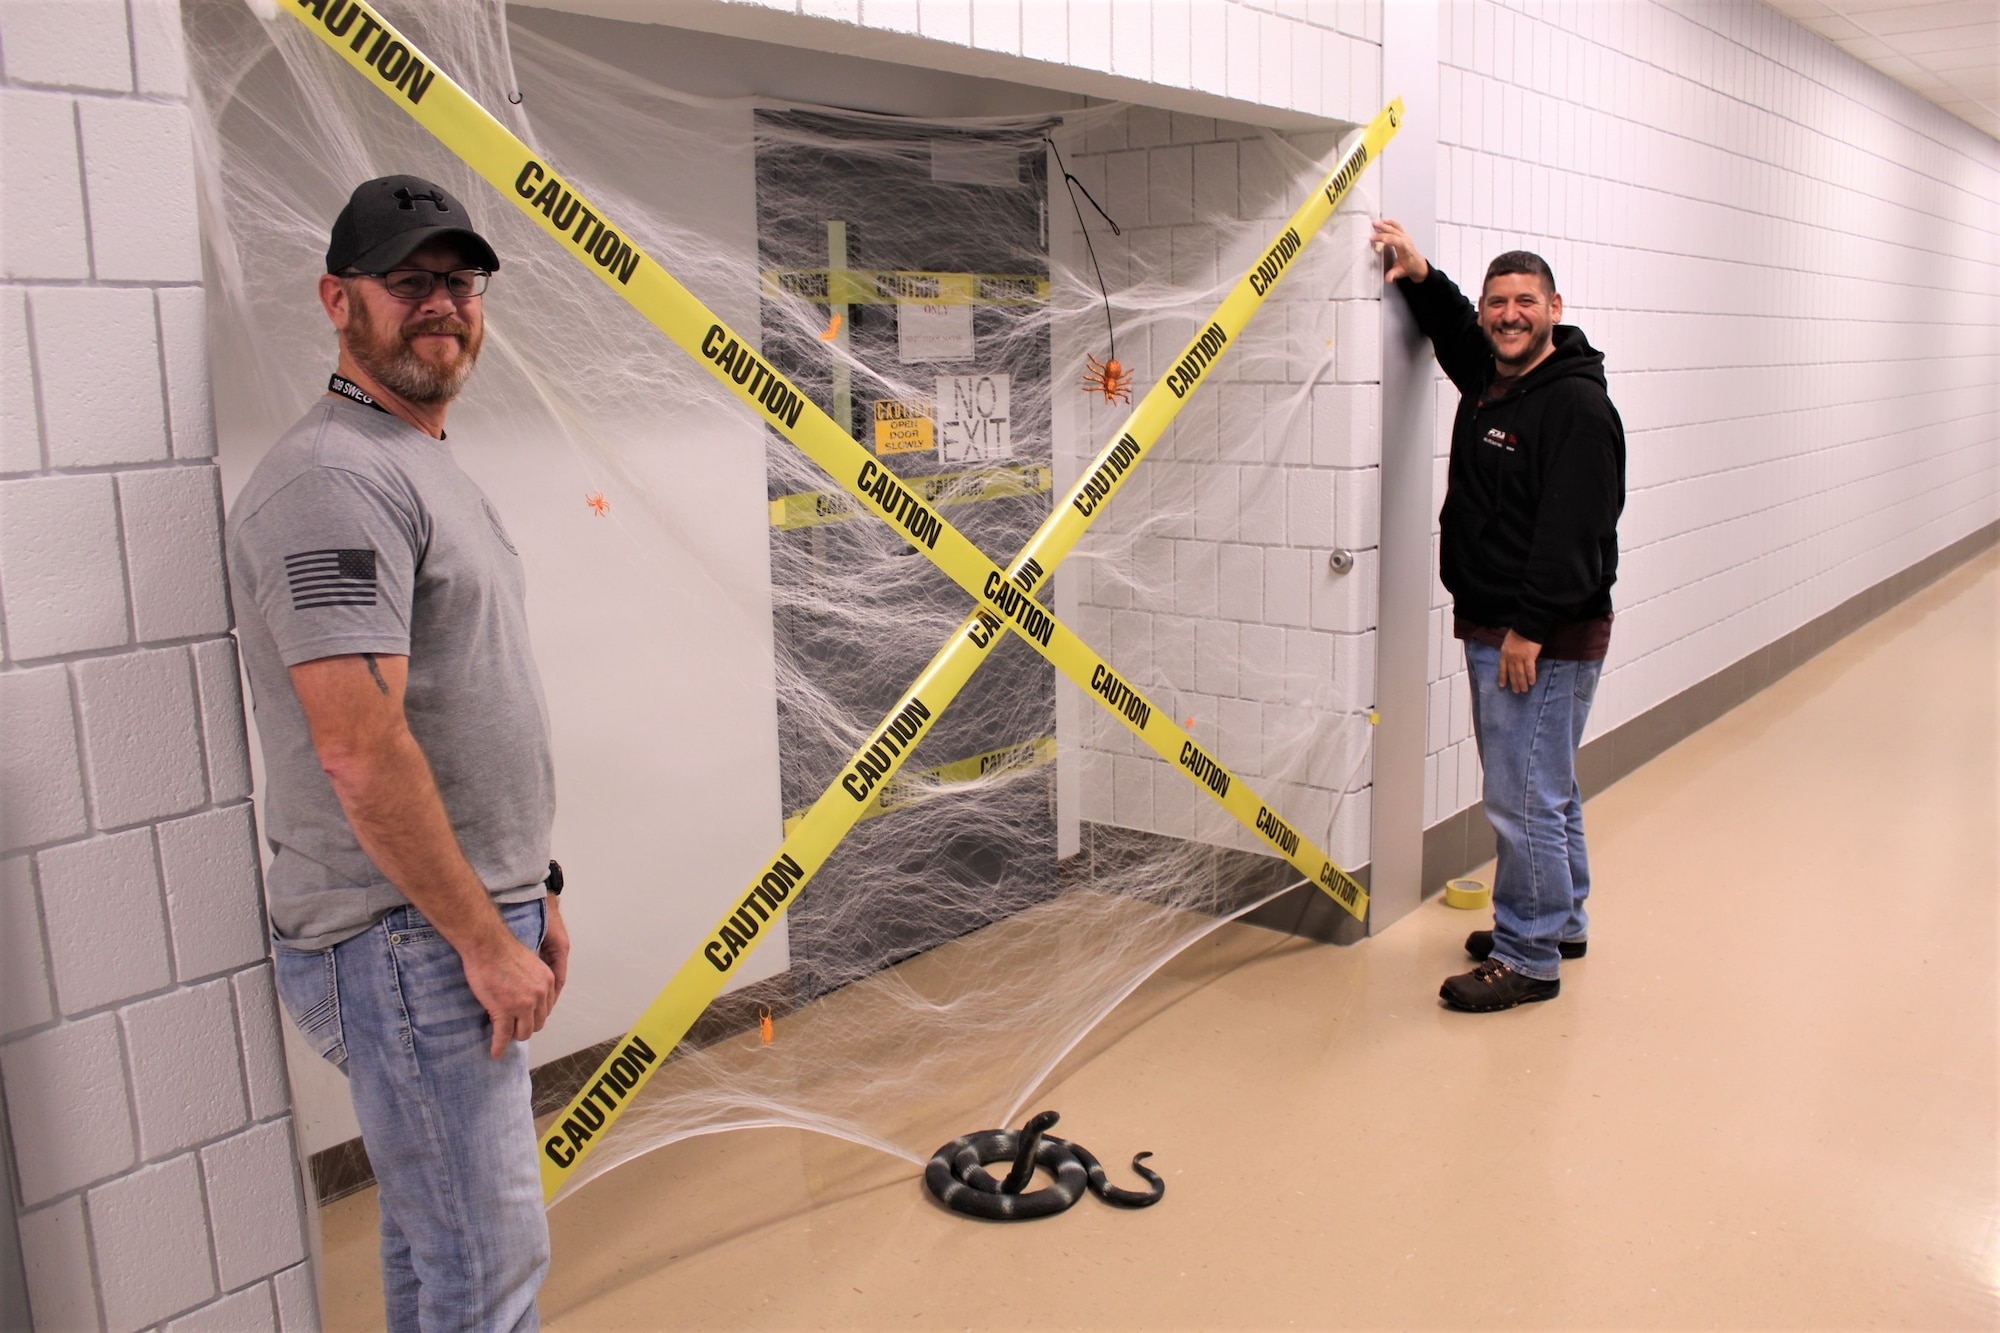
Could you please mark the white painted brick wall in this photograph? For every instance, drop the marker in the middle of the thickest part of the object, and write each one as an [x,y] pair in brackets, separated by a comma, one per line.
[298,1304]
[159,59]
[101,904]
[67,43]
[222,725]
[42,232]
[1226,611]
[1316,58]
[209,864]
[183,351]
[65,588]
[41,786]
[20,436]
[66,1107]
[25,997]
[254,1209]
[187,1075]
[139,177]
[55,1250]
[101,395]
[140,1046]
[1751,225]
[246,1311]
[141,735]
[162,1269]
[173,521]
[263,1043]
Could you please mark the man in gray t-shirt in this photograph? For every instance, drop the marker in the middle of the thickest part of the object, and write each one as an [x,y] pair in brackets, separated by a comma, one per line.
[409,792]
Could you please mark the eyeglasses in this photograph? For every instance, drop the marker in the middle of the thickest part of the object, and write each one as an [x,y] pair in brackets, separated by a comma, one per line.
[415,284]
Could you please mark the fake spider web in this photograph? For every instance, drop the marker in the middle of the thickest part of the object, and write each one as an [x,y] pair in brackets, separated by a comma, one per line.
[1039,864]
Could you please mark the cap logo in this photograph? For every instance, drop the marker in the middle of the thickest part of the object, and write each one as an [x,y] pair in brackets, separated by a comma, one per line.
[409,200]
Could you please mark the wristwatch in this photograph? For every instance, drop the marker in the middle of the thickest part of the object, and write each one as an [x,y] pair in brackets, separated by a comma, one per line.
[554,882]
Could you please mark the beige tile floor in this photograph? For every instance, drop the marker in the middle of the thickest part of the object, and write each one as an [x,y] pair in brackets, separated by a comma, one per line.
[1767,1099]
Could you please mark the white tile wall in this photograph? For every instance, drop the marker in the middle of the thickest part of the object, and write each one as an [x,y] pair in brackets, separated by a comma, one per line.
[222,722]
[55,1249]
[42,232]
[298,1305]
[186,1068]
[67,43]
[20,435]
[25,999]
[139,175]
[141,735]
[172,519]
[209,865]
[253,1197]
[66,1107]
[161,1269]
[108,341]
[87,886]
[1756,229]
[1225,610]
[41,785]
[65,589]
[246,1311]
[139,1039]
[1318,58]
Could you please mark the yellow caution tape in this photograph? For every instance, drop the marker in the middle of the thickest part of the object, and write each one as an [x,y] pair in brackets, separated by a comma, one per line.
[1007,600]
[884,286]
[809,509]
[927,784]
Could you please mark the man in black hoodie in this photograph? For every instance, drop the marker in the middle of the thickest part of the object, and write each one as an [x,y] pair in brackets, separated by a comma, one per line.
[1529,554]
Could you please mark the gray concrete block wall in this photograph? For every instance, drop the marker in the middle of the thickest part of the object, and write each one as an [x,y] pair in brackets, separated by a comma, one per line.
[155,1171]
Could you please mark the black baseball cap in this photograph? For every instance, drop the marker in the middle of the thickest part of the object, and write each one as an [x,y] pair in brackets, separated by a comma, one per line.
[387,218]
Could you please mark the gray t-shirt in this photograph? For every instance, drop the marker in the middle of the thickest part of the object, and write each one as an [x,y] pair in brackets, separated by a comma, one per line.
[358,533]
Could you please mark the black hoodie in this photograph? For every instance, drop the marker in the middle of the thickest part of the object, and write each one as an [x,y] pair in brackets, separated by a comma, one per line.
[1537,481]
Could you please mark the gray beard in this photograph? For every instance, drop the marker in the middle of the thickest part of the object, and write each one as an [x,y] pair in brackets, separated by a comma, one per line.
[396,367]
[415,380]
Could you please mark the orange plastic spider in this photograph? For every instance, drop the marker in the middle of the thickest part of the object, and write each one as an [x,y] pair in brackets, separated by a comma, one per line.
[598,504]
[1108,378]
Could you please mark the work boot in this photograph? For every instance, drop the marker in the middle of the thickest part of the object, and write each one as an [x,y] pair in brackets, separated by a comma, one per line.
[1494,985]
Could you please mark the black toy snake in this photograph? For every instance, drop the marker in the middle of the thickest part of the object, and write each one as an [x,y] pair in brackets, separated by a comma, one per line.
[957,1174]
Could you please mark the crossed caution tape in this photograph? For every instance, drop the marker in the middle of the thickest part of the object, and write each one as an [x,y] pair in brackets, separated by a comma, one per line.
[1005,599]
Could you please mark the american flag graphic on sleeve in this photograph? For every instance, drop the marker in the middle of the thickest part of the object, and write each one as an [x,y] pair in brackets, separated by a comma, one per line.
[331,578]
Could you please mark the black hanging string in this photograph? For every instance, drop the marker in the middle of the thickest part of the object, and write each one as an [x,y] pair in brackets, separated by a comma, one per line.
[1073,184]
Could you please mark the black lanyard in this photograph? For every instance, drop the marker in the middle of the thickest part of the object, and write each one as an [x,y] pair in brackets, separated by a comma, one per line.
[347,388]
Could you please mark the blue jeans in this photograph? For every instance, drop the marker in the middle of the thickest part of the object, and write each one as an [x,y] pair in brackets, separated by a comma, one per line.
[1527,745]
[448,1129]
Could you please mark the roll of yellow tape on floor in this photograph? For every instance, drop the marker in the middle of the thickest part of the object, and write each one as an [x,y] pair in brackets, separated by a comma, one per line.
[1468,894]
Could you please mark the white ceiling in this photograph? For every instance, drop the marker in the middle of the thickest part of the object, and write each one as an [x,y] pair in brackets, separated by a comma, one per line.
[1946,50]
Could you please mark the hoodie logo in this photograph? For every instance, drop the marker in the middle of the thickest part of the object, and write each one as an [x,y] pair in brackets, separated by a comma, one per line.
[1501,439]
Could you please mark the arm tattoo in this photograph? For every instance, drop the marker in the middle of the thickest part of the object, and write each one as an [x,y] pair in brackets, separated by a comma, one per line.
[376,672]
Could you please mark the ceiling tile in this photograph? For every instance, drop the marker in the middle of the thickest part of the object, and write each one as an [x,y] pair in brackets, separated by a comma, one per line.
[1945,50]
[1981,38]
[1917,18]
